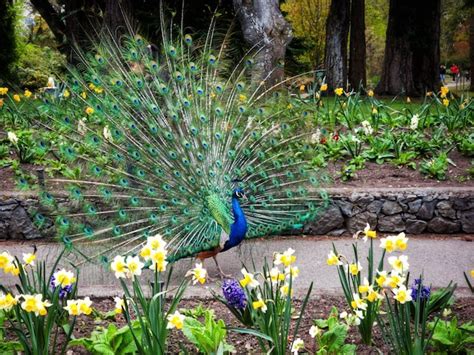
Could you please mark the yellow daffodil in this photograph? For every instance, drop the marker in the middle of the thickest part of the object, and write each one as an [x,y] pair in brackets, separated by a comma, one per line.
[5,259]
[287,258]
[119,305]
[12,268]
[339,91]
[72,307]
[402,295]
[388,244]
[12,137]
[242,98]
[368,233]
[175,320]
[156,242]
[382,278]
[298,345]
[29,258]
[472,273]
[358,303]
[323,87]
[373,295]
[91,86]
[444,91]
[302,87]
[370,93]
[66,93]
[84,95]
[259,304]
[333,259]
[17,98]
[285,289]
[446,102]
[98,90]
[314,331]
[35,304]
[374,111]
[400,264]
[400,241]
[364,287]
[446,312]
[134,266]
[89,110]
[355,268]
[119,267]
[248,279]
[7,301]
[158,258]
[63,278]
[276,275]
[294,271]
[85,306]
[3,91]
[145,252]
[394,280]
[199,274]
[27,93]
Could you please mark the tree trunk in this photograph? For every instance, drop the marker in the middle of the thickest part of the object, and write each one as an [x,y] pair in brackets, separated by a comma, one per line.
[265,29]
[471,48]
[412,53]
[357,73]
[117,13]
[8,54]
[335,57]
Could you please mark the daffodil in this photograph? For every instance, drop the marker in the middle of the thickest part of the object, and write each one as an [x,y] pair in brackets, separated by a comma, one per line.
[402,295]
[357,302]
[276,275]
[259,304]
[333,259]
[85,306]
[368,233]
[339,91]
[446,102]
[175,320]
[119,267]
[83,95]
[72,307]
[354,268]
[364,287]
[66,93]
[323,87]
[388,244]
[17,98]
[374,110]
[298,345]
[285,290]
[27,93]
[98,90]
[373,295]
[12,137]
[370,93]
[134,266]
[294,271]
[400,241]
[302,87]
[29,258]
[199,274]
[156,242]
[5,259]
[394,280]
[89,110]
[35,304]
[119,305]
[472,273]
[400,263]
[158,259]
[3,91]
[242,98]
[314,331]
[444,91]
[248,279]
[12,268]
[7,301]
[287,258]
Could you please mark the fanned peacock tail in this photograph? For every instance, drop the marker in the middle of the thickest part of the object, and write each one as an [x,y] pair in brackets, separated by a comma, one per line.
[154,143]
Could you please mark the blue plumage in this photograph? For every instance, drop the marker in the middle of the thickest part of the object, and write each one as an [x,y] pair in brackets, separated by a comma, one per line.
[238,229]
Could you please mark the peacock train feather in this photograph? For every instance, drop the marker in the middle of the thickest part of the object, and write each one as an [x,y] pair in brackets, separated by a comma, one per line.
[155,142]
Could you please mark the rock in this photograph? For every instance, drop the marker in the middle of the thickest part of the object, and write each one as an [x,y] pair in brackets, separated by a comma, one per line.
[426,210]
[414,206]
[443,225]
[463,204]
[445,209]
[15,223]
[329,220]
[415,226]
[358,222]
[391,207]
[375,206]
[346,208]
[393,223]
[337,232]
[467,221]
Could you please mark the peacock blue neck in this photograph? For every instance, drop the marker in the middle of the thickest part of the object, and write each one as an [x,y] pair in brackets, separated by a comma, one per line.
[239,215]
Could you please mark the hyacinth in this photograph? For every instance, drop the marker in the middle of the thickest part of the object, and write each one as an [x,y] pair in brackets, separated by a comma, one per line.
[424,290]
[64,291]
[234,294]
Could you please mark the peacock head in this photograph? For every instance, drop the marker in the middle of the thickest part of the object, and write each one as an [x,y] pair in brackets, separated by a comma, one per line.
[239,193]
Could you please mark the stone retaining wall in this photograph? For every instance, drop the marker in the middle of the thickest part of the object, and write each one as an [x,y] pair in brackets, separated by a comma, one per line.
[414,211]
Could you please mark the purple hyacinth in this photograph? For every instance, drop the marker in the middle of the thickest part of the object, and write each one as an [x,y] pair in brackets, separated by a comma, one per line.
[234,294]
[424,290]
[64,291]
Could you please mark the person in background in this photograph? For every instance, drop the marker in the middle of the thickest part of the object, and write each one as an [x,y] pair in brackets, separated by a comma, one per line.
[454,71]
[442,73]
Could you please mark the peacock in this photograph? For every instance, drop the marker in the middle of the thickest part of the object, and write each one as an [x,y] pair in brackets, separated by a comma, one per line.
[169,139]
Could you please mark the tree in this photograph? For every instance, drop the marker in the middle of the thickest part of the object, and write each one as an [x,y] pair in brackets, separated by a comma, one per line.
[8,53]
[412,52]
[265,29]
[357,48]
[337,29]
[471,48]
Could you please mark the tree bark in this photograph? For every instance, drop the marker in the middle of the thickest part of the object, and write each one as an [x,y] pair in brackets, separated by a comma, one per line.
[8,53]
[265,29]
[116,15]
[335,57]
[471,48]
[357,47]
[412,52]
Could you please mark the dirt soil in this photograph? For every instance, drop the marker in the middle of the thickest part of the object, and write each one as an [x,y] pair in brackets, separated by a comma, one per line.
[317,308]
[373,175]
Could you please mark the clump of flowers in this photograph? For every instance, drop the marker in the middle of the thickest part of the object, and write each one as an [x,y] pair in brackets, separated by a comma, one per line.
[234,294]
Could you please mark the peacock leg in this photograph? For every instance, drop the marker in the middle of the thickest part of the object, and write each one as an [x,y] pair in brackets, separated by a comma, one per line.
[221,273]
